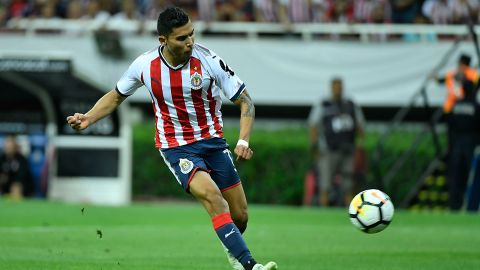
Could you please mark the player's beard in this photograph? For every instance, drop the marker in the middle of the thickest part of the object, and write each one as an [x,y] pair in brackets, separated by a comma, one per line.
[180,54]
[184,56]
[188,53]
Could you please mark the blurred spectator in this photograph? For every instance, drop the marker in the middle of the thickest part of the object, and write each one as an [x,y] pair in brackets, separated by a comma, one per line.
[438,11]
[285,12]
[319,10]
[296,11]
[464,126]
[3,14]
[97,10]
[61,7]
[75,9]
[465,10]
[34,8]
[338,11]
[155,7]
[381,12]
[235,10]
[371,11]
[189,6]
[48,10]
[336,129]
[268,11]
[453,81]
[109,6]
[15,176]
[128,11]
[206,10]
[17,8]
[404,11]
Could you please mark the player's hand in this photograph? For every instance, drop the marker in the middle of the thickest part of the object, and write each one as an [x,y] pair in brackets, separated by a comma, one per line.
[78,121]
[243,152]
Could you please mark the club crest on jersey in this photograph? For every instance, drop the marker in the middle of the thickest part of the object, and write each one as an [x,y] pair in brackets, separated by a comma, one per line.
[196,81]
[185,165]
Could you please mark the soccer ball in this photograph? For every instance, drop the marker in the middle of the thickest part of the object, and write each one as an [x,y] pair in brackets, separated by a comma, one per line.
[371,211]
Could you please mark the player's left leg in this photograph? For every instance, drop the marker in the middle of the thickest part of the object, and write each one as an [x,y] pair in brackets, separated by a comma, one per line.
[237,203]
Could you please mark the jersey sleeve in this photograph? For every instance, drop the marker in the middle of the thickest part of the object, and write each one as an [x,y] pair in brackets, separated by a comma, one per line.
[131,80]
[225,78]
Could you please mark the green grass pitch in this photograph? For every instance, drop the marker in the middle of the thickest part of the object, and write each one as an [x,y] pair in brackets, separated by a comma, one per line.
[179,236]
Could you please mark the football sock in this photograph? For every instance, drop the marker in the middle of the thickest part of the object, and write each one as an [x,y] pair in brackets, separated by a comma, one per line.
[249,265]
[231,238]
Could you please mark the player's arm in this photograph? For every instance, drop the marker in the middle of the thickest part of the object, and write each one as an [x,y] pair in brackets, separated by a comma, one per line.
[104,106]
[247,117]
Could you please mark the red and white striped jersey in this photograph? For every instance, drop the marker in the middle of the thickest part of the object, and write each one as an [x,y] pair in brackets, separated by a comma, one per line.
[186,99]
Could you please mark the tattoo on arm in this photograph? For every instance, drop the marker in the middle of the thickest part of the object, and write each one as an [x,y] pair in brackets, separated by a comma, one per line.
[248,109]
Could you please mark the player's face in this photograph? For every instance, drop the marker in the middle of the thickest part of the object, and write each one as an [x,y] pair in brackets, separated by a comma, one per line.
[179,43]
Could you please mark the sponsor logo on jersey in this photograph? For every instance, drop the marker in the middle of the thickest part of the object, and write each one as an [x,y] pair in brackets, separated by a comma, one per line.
[186,165]
[196,81]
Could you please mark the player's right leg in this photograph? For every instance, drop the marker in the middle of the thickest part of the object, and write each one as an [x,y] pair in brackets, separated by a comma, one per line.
[237,203]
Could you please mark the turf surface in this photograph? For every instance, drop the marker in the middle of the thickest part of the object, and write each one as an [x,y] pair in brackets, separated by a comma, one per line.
[178,236]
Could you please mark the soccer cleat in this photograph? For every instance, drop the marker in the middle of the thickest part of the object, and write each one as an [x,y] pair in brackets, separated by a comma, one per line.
[236,265]
[268,266]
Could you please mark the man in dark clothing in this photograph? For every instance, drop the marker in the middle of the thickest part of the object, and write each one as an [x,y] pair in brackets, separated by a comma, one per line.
[335,124]
[453,81]
[464,129]
[15,177]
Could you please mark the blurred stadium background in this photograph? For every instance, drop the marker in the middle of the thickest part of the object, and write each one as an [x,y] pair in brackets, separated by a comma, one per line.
[52,65]
[58,57]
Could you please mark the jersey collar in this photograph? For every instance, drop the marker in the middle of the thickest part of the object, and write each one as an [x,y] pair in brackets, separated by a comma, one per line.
[164,60]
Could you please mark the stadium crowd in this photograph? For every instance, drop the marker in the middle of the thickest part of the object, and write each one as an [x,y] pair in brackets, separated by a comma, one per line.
[281,11]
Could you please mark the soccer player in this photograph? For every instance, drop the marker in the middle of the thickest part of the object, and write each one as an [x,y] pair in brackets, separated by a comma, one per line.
[184,80]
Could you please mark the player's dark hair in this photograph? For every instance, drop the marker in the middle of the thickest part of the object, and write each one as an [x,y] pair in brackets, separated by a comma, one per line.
[171,17]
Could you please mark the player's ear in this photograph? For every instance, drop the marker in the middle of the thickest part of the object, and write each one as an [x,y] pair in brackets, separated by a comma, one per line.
[162,39]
